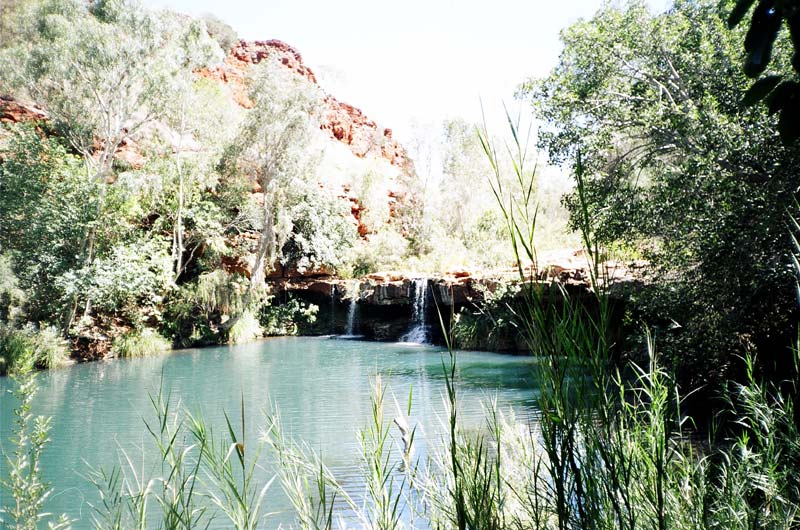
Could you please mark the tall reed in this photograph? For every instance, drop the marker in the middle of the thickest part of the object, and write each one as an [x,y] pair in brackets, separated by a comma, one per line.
[26,490]
[612,434]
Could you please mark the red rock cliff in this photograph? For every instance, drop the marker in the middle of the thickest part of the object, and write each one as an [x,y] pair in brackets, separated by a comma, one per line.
[342,121]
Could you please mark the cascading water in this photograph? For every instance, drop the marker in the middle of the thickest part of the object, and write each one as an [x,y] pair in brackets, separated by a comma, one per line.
[419,327]
[351,310]
[333,309]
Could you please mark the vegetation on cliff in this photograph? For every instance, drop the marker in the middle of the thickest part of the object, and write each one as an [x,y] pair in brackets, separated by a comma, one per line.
[155,170]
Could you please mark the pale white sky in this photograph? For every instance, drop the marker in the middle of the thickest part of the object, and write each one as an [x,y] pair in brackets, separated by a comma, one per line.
[416,61]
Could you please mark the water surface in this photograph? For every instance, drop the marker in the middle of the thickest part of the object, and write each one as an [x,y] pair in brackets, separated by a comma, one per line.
[319,385]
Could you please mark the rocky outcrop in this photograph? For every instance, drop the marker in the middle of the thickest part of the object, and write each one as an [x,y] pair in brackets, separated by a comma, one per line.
[385,301]
[14,111]
[343,122]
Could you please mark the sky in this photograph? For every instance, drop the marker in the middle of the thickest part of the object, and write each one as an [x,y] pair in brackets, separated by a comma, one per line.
[412,63]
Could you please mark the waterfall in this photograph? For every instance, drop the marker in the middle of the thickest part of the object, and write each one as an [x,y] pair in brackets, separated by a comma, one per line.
[419,327]
[333,309]
[351,312]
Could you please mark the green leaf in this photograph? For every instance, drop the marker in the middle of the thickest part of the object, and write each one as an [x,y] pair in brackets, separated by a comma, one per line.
[760,89]
[739,11]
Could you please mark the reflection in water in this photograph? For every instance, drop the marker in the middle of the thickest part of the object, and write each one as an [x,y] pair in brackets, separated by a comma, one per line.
[320,387]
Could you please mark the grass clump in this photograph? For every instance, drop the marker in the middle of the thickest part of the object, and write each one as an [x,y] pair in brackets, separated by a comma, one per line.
[140,343]
[247,328]
[38,347]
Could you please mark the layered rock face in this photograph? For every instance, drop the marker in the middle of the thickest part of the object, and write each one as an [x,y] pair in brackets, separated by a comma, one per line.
[387,303]
[343,122]
[14,111]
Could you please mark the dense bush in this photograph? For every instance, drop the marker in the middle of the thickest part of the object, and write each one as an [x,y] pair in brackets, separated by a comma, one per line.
[139,343]
[677,166]
[30,347]
[492,324]
[11,296]
[221,31]
[322,234]
[131,279]
[45,206]
[246,329]
[385,249]
[287,318]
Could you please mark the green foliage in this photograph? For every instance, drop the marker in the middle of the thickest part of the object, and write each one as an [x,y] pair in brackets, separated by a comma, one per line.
[273,148]
[15,351]
[491,324]
[140,343]
[45,205]
[27,491]
[12,15]
[31,347]
[287,318]
[184,323]
[611,450]
[194,312]
[11,296]
[676,165]
[246,329]
[104,70]
[321,234]
[221,31]
[383,250]
[131,279]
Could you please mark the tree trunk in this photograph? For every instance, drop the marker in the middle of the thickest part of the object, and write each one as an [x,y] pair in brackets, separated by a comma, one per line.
[265,255]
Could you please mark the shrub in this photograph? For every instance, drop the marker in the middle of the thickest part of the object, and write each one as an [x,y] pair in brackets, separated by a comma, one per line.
[491,324]
[140,343]
[186,323]
[131,278]
[31,347]
[383,250]
[50,348]
[287,318]
[221,31]
[246,329]
[15,350]
[11,296]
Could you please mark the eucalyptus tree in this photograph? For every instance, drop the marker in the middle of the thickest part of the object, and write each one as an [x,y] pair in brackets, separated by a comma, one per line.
[275,150]
[203,121]
[651,107]
[103,72]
